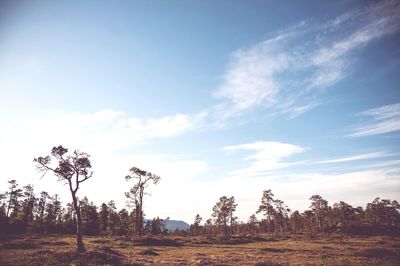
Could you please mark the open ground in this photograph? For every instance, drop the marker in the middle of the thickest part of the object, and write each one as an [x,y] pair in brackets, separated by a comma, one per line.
[262,250]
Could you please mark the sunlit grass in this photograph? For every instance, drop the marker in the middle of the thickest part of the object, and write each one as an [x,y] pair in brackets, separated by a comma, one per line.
[297,250]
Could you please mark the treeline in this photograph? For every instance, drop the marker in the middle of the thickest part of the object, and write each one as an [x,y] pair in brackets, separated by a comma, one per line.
[379,216]
[24,211]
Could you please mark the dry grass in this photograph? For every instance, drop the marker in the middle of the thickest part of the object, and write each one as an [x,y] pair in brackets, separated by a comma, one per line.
[298,250]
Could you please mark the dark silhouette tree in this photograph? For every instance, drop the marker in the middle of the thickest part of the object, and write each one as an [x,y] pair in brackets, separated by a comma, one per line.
[136,194]
[72,169]
[319,207]
[267,206]
[296,221]
[195,228]
[28,204]
[281,213]
[343,213]
[252,223]
[223,213]
[383,212]
[13,196]
[42,206]
[104,216]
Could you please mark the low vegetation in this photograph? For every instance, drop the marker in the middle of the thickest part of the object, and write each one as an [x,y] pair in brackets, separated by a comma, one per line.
[302,249]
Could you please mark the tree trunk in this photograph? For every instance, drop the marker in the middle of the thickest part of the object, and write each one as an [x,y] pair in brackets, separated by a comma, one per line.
[140,213]
[135,222]
[140,221]
[79,242]
[8,205]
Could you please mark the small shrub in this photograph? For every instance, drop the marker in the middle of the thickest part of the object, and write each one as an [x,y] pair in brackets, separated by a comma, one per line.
[149,252]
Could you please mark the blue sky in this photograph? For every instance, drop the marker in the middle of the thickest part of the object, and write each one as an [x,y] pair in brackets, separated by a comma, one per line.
[219,98]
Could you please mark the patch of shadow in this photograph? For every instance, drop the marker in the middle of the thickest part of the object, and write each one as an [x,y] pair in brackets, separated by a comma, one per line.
[273,250]
[51,257]
[327,247]
[158,242]
[101,241]
[57,243]
[377,252]
[396,246]
[268,263]
[60,243]
[102,256]
[381,242]
[44,243]
[20,245]
[149,252]
[124,245]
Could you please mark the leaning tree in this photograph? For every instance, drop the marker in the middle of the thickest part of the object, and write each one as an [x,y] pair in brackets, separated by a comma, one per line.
[70,168]
[136,193]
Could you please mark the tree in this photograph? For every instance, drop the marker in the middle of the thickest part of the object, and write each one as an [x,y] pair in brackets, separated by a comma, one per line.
[90,222]
[267,206]
[13,195]
[41,206]
[103,215]
[383,212]
[28,204]
[281,213]
[157,226]
[195,228]
[252,224]
[296,221]
[113,218]
[208,226]
[223,213]
[136,194]
[344,213]
[319,206]
[72,169]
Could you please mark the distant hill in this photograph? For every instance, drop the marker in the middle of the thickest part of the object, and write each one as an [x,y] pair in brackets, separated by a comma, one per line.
[172,225]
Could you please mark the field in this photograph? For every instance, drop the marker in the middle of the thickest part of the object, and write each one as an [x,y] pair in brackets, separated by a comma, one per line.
[262,250]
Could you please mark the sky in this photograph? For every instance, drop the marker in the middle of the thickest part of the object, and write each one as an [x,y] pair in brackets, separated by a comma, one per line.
[217,97]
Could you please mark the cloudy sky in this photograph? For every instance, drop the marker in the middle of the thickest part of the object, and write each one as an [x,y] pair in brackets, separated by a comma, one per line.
[218,98]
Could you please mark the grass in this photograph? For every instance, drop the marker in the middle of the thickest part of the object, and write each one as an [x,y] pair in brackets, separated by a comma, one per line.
[296,250]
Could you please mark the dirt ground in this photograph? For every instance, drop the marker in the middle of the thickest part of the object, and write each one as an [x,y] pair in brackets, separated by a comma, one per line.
[261,250]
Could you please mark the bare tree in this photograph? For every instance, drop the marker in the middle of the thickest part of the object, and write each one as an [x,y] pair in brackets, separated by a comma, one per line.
[72,169]
[136,193]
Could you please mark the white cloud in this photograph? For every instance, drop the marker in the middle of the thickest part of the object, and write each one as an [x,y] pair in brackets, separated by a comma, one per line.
[102,134]
[385,119]
[366,156]
[250,78]
[111,129]
[266,156]
[285,73]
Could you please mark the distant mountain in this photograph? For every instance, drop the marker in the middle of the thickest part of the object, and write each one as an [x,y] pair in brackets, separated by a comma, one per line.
[172,225]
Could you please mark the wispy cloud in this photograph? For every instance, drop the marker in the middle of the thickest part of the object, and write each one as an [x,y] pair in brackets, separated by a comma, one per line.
[286,72]
[382,120]
[366,156]
[265,156]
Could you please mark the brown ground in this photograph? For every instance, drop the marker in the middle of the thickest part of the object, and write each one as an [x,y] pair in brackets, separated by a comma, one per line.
[297,250]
